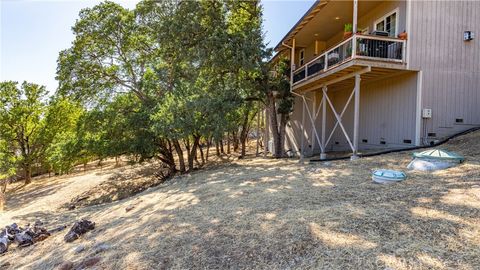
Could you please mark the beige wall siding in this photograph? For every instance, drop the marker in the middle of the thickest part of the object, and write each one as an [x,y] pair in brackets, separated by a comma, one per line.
[309,52]
[369,19]
[451,79]
[387,113]
[451,66]
[383,9]
[295,129]
[363,22]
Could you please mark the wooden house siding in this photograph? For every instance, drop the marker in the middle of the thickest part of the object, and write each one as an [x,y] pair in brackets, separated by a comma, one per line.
[451,66]
[387,113]
[364,21]
[369,19]
[442,73]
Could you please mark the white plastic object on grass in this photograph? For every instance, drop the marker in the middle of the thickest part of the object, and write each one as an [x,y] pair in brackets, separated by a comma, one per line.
[432,160]
[439,154]
[388,176]
[427,164]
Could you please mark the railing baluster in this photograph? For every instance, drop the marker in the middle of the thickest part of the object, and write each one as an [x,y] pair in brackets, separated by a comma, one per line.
[326,62]
[354,46]
[357,46]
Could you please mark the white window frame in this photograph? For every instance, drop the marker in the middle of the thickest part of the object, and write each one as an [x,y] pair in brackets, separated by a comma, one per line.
[397,10]
[301,60]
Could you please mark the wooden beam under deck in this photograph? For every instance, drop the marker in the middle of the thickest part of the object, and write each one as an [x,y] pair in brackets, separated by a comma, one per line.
[379,70]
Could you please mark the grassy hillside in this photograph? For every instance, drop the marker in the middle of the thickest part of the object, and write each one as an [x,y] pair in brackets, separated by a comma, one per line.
[275,214]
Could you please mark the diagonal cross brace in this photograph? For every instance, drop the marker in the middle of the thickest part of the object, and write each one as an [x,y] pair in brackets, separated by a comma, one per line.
[312,122]
[339,120]
[341,116]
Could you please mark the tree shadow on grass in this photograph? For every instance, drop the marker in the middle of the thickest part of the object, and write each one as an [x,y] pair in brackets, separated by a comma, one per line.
[280,214]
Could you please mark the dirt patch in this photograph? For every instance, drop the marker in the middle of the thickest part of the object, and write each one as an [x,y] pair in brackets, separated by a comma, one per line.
[125,182]
[129,180]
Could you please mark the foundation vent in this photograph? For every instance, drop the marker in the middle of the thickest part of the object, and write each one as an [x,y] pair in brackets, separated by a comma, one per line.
[431,134]
[365,141]
[459,120]
[407,141]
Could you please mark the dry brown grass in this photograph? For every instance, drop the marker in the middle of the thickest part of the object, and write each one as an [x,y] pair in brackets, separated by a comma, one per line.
[123,183]
[279,214]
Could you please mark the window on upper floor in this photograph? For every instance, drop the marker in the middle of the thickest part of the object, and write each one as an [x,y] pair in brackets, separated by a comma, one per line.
[301,57]
[388,23]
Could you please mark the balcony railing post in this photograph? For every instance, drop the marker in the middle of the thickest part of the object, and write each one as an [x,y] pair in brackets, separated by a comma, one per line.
[361,46]
[354,46]
[326,62]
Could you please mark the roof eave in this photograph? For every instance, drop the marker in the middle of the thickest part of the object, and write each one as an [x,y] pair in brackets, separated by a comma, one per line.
[306,15]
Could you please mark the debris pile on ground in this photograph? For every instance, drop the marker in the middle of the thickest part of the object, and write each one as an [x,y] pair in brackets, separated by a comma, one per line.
[22,236]
[79,228]
[32,234]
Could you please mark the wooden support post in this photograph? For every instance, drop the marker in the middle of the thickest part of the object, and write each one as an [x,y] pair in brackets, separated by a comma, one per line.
[302,147]
[355,16]
[323,155]
[313,122]
[356,119]
[418,113]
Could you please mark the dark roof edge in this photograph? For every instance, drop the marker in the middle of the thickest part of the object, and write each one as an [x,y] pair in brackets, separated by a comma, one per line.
[315,4]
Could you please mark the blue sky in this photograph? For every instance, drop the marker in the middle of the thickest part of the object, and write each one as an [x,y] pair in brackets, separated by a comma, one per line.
[34,32]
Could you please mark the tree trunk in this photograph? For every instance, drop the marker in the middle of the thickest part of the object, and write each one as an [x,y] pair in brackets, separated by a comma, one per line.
[209,144]
[235,141]
[3,200]
[196,157]
[3,190]
[257,152]
[282,134]
[28,173]
[166,154]
[217,147]
[191,153]
[275,131]
[201,154]
[221,147]
[228,143]
[266,132]
[244,131]
[179,151]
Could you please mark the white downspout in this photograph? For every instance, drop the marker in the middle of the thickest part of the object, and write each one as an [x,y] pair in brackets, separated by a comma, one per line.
[292,60]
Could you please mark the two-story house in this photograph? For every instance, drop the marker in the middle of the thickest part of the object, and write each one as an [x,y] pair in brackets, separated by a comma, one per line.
[408,74]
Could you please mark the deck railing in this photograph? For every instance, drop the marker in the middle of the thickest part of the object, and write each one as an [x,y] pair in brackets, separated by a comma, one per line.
[359,47]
